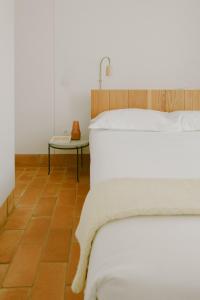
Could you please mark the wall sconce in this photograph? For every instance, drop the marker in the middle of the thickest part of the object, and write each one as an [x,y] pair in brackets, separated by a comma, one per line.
[108,69]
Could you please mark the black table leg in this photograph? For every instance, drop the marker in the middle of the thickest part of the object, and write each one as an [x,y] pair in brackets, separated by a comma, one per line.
[77,163]
[49,159]
[81,157]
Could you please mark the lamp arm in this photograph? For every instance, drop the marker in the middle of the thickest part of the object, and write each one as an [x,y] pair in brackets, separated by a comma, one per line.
[100,69]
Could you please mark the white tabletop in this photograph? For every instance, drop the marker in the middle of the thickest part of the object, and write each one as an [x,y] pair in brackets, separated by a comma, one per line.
[83,142]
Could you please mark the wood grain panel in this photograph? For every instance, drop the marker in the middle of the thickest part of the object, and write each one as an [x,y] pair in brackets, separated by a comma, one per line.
[175,100]
[158,100]
[100,102]
[162,100]
[118,99]
[138,99]
[192,100]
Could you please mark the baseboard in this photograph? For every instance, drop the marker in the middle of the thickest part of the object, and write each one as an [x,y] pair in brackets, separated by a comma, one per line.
[6,208]
[41,160]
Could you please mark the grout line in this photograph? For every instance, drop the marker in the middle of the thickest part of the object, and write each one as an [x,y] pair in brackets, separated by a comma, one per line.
[40,195]
[25,190]
[46,240]
[27,225]
[20,240]
[43,244]
[65,286]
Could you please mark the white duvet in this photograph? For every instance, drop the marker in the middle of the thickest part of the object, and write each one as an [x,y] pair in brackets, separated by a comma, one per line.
[120,154]
[169,270]
[146,258]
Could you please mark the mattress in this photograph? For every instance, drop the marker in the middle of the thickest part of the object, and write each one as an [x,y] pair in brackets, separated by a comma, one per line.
[161,261]
[119,154]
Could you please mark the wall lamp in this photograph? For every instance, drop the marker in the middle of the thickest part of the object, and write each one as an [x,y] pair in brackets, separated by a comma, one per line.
[108,69]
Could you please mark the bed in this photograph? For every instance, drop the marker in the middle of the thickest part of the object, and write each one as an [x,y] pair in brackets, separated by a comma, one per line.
[145,257]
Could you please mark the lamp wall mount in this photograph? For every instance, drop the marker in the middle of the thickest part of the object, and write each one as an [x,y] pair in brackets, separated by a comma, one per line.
[108,69]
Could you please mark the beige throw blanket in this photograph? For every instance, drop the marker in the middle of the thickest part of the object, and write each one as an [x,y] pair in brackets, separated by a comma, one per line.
[123,198]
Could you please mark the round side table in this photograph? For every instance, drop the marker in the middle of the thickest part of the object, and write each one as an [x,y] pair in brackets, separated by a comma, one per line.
[73,144]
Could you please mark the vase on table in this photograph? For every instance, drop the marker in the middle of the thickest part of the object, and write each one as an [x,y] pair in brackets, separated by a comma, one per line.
[75,133]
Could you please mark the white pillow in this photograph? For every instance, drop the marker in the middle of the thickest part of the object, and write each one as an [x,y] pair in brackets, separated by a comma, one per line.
[146,120]
[187,120]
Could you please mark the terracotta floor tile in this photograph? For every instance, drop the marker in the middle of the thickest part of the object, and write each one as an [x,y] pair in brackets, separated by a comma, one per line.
[50,282]
[85,178]
[84,173]
[69,183]
[58,246]
[56,178]
[45,206]
[84,182]
[43,171]
[30,197]
[47,214]
[72,266]
[82,191]
[14,294]
[69,295]
[25,177]
[79,205]
[51,189]
[78,211]
[59,168]
[38,183]
[9,240]
[18,172]
[22,270]
[71,170]
[3,213]
[10,203]
[43,177]
[70,176]
[19,189]
[42,174]
[36,231]
[81,199]
[18,219]
[31,169]
[3,270]
[75,224]
[63,218]
[67,196]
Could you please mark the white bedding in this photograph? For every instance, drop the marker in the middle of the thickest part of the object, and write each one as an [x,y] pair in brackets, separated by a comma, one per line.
[119,154]
[164,256]
[164,250]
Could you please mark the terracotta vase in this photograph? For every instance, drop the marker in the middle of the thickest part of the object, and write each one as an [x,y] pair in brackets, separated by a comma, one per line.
[75,133]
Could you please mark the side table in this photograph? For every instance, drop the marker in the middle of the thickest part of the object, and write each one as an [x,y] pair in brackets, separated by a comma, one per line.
[73,144]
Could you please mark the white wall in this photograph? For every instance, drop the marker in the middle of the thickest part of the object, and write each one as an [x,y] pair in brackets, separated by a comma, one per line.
[34,74]
[152,44]
[6,98]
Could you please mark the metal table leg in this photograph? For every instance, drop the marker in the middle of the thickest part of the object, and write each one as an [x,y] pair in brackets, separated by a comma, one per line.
[81,157]
[49,159]
[77,163]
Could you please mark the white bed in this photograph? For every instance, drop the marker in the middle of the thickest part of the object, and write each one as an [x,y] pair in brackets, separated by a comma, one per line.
[116,154]
[164,251]
[164,256]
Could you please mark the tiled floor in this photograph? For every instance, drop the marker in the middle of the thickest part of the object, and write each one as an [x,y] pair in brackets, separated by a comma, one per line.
[38,251]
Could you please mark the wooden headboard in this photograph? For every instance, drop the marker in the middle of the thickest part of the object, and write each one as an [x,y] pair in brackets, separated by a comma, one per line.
[163,100]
